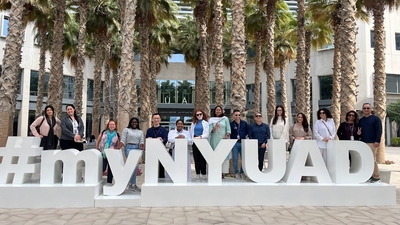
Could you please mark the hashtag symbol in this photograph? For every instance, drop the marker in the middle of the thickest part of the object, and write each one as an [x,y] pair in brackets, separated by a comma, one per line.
[18,163]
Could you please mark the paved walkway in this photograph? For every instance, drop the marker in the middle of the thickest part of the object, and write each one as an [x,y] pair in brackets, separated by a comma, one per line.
[218,215]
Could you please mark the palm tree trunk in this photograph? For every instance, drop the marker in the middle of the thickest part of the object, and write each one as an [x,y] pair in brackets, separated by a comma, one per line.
[10,69]
[282,70]
[107,55]
[380,74]
[348,51]
[203,99]
[42,70]
[80,66]
[153,82]
[219,70]
[300,61]
[145,121]
[269,66]
[307,87]
[115,78]
[197,88]
[127,87]
[257,73]
[57,58]
[238,82]
[98,62]
[336,79]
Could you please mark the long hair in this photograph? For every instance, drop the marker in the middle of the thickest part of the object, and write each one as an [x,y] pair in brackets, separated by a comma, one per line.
[276,115]
[326,111]
[130,122]
[305,121]
[75,115]
[45,110]
[355,113]
[222,111]
[194,117]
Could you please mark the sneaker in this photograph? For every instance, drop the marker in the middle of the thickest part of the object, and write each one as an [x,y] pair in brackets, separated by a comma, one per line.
[197,177]
[243,176]
[237,176]
[135,188]
[374,180]
[204,177]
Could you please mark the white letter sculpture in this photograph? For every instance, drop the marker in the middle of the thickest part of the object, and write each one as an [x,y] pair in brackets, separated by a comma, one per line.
[18,162]
[362,162]
[215,158]
[306,151]
[72,172]
[122,171]
[156,151]
[276,158]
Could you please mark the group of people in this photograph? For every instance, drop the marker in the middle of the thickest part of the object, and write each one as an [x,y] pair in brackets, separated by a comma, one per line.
[368,129]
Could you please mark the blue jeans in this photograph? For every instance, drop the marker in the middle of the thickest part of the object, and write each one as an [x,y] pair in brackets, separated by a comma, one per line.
[236,150]
[128,148]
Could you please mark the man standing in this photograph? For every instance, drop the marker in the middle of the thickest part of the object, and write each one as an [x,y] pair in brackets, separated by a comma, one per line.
[239,132]
[260,131]
[371,132]
[160,132]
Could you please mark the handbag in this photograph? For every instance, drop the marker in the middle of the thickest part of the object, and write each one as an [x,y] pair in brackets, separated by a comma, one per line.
[37,127]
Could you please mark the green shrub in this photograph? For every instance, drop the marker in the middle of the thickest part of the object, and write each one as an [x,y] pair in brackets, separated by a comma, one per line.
[395,142]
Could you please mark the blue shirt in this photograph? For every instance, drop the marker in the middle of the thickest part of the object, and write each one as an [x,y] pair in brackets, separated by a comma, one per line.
[259,132]
[198,129]
[371,131]
[155,132]
[240,129]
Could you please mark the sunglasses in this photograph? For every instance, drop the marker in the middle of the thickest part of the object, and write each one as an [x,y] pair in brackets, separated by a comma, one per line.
[366,108]
[258,116]
[237,115]
[199,114]
[352,115]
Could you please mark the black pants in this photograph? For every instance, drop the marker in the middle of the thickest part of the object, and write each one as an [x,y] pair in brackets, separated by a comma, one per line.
[261,153]
[199,161]
[44,143]
[66,144]
[109,172]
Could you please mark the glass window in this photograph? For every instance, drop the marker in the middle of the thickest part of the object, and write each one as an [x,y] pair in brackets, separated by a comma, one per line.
[212,92]
[227,92]
[166,92]
[138,89]
[250,94]
[392,83]
[293,81]
[89,90]
[325,87]
[4,26]
[33,88]
[278,92]
[102,91]
[372,34]
[185,91]
[68,87]
[397,41]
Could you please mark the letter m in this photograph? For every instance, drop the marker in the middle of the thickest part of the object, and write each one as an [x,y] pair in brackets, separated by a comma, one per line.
[71,162]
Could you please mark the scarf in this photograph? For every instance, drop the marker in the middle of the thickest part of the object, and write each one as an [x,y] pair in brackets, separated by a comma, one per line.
[51,142]
[110,136]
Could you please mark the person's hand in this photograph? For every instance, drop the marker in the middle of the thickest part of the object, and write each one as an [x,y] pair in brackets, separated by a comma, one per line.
[299,138]
[41,136]
[181,136]
[263,145]
[326,139]
[77,137]
[376,144]
[160,138]
[217,125]
[227,136]
[141,146]
[359,131]
[111,147]
[198,137]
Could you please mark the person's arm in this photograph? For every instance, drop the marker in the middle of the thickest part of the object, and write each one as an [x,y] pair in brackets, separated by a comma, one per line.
[332,128]
[124,136]
[227,128]
[250,132]
[316,131]
[189,137]
[378,128]
[285,133]
[206,130]
[141,145]
[81,127]
[165,135]
[98,140]
[291,135]
[309,134]
[34,125]
[171,136]
[340,131]
[268,136]
[148,134]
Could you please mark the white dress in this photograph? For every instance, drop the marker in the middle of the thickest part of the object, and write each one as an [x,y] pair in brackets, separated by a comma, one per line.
[280,130]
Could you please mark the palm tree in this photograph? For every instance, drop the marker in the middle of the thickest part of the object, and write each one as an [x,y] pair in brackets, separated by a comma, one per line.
[217,45]
[127,88]
[10,69]
[238,82]
[107,81]
[300,62]
[115,59]
[378,10]
[57,57]
[78,83]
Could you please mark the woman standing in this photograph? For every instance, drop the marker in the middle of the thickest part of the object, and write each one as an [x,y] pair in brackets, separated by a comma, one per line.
[300,130]
[279,125]
[180,133]
[48,126]
[199,129]
[324,130]
[220,129]
[108,139]
[72,128]
[133,140]
[348,129]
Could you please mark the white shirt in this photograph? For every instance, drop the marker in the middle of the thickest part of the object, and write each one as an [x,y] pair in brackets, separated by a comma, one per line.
[280,130]
[174,133]
[321,131]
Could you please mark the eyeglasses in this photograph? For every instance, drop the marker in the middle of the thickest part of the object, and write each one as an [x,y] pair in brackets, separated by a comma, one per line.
[258,116]
[300,117]
[352,115]
[199,114]
[237,115]
[366,108]
[322,113]
[279,110]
